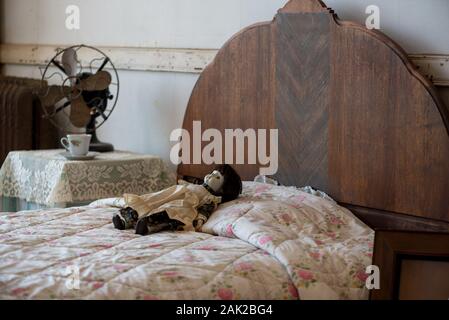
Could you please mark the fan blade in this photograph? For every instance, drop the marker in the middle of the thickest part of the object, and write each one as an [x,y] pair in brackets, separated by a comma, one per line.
[79,113]
[96,82]
[53,94]
[69,61]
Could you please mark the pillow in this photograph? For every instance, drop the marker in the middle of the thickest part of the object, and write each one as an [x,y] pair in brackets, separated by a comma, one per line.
[322,245]
[307,189]
[283,204]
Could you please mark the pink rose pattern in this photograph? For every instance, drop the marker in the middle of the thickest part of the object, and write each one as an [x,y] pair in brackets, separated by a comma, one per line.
[97,285]
[17,292]
[287,218]
[305,274]
[170,274]
[362,276]
[264,240]
[335,220]
[207,248]
[261,189]
[293,291]
[189,258]
[297,201]
[244,266]
[229,231]
[225,294]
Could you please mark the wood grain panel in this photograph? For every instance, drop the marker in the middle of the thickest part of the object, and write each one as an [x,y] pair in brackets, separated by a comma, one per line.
[424,280]
[235,91]
[385,130]
[302,97]
[355,117]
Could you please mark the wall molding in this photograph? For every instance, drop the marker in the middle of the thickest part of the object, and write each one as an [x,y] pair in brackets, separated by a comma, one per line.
[124,58]
[435,67]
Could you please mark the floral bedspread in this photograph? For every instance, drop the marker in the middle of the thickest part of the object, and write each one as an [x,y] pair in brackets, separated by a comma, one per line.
[272,243]
[324,247]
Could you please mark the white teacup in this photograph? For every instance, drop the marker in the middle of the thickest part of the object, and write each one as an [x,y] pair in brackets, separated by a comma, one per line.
[77,144]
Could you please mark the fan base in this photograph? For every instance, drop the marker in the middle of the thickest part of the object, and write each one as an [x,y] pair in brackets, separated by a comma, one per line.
[95,144]
[101,147]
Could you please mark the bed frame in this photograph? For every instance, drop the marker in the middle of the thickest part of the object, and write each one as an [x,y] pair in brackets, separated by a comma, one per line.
[355,117]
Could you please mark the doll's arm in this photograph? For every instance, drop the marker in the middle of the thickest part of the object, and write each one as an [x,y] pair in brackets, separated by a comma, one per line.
[111,202]
[204,212]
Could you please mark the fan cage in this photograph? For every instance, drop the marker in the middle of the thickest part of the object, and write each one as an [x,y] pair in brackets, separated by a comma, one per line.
[44,80]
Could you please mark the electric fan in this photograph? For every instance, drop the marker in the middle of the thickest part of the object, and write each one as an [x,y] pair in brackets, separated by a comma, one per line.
[77,91]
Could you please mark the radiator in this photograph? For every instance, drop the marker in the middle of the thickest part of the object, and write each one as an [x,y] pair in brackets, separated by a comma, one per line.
[21,124]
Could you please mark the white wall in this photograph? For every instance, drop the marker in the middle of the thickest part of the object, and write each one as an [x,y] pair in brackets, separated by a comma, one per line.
[152,23]
[418,25]
[152,104]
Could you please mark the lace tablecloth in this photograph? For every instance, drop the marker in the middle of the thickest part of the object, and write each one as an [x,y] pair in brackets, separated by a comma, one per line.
[48,179]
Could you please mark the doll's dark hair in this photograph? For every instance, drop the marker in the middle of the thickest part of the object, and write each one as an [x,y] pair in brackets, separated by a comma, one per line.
[232,185]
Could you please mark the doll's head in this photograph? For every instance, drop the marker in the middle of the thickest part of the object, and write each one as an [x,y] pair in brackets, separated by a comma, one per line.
[225,182]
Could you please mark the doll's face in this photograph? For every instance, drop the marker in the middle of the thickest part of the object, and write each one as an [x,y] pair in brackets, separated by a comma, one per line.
[214,180]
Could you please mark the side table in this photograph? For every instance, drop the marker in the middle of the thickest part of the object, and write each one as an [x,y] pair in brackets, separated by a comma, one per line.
[45,179]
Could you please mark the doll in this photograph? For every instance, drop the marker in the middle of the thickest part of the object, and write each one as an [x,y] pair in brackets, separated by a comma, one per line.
[185,206]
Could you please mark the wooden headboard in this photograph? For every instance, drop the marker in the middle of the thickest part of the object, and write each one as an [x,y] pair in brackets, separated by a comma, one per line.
[355,118]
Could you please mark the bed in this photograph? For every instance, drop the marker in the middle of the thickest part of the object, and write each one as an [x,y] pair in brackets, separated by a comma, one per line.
[272,243]
[355,120]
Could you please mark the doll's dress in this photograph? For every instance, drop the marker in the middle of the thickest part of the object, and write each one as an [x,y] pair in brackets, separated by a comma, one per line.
[180,202]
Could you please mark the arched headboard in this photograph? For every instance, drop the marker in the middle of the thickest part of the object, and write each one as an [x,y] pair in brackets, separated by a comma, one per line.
[355,118]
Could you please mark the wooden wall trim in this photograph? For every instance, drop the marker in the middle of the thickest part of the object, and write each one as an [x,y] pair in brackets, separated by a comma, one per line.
[124,58]
[434,66]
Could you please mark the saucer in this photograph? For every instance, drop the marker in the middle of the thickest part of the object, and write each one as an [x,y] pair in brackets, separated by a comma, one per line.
[89,156]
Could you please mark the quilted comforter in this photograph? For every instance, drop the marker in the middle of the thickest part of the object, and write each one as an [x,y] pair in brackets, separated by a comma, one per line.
[272,243]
